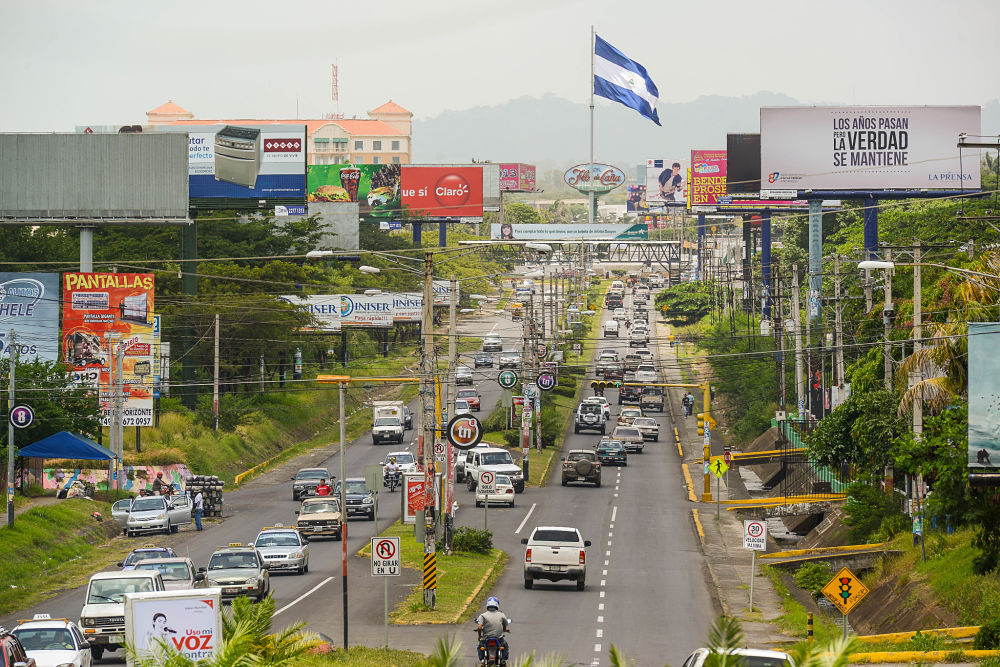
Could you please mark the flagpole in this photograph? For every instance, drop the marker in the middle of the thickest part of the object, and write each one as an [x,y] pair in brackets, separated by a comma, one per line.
[590,167]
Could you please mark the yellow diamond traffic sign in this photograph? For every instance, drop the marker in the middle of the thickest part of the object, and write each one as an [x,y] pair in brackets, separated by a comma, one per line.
[717,466]
[845,591]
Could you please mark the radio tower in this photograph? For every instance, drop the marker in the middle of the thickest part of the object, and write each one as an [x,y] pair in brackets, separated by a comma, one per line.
[335,95]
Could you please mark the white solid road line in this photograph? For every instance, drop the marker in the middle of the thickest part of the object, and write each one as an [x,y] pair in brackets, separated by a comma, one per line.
[614,513]
[304,595]
[525,518]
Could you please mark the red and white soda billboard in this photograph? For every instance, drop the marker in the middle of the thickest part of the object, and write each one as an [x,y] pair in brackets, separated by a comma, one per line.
[518,177]
[442,192]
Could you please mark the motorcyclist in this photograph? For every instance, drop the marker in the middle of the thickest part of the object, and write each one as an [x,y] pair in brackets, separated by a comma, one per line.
[323,489]
[391,467]
[491,624]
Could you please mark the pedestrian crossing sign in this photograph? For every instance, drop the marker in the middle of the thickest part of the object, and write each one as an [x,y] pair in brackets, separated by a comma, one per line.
[717,466]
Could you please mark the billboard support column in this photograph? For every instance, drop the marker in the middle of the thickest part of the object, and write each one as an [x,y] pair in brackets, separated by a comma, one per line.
[86,249]
[416,233]
[871,244]
[189,288]
[442,234]
[765,259]
[701,245]
[815,257]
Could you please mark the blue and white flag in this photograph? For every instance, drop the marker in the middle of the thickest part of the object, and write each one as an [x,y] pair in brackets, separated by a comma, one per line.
[621,79]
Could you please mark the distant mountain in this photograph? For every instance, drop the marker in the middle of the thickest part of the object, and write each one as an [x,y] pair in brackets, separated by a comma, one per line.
[553,132]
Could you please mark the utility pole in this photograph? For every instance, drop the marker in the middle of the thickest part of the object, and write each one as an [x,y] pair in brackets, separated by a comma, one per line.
[10,432]
[800,384]
[918,400]
[886,324]
[451,394]
[425,441]
[215,376]
[838,325]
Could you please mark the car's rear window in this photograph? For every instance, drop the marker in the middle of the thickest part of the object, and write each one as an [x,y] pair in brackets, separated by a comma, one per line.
[579,456]
[627,433]
[760,661]
[555,535]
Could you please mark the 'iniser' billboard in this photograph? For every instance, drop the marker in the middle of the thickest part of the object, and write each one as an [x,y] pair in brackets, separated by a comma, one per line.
[868,148]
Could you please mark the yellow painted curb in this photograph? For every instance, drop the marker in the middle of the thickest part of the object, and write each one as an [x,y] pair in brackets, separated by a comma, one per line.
[784,500]
[820,550]
[257,468]
[919,656]
[698,526]
[690,483]
[957,633]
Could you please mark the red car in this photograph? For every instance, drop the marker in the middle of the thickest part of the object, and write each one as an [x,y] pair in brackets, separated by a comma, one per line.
[471,396]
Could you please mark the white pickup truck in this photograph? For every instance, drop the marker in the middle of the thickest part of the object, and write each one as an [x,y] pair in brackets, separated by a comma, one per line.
[555,553]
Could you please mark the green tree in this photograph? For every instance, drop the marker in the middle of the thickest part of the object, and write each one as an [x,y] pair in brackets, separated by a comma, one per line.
[521,214]
[686,303]
[861,431]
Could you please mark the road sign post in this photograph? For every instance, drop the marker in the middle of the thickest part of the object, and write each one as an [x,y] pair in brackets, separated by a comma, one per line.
[845,591]
[718,467]
[488,485]
[755,539]
[386,562]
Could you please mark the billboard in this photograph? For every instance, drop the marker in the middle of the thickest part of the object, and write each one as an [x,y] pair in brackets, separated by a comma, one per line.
[708,177]
[984,396]
[594,177]
[868,148]
[325,309]
[753,201]
[442,192]
[97,306]
[249,162]
[363,310]
[742,163]
[29,306]
[636,202]
[188,621]
[507,231]
[666,182]
[517,177]
[393,191]
[93,176]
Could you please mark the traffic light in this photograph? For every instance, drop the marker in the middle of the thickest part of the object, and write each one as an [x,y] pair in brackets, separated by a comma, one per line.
[600,385]
[845,588]
[701,423]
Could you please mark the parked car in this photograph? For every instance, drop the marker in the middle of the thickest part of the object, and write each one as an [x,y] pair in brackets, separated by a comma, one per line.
[463,375]
[153,514]
[470,396]
[178,573]
[612,452]
[483,360]
[581,465]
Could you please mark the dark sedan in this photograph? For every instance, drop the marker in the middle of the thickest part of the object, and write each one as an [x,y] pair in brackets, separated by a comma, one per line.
[484,360]
[360,501]
[612,452]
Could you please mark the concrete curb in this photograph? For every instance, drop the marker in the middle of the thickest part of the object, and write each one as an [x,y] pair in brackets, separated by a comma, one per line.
[803,552]
[920,657]
[720,600]
[956,633]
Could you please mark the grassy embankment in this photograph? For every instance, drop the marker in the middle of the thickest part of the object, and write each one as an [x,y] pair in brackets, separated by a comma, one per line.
[54,547]
[464,579]
[363,656]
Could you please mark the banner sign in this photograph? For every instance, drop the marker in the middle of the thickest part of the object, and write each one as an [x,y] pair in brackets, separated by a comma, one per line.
[666,182]
[517,177]
[29,306]
[708,177]
[414,496]
[189,622]
[325,308]
[984,387]
[407,306]
[868,148]
[594,177]
[244,161]
[533,232]
[362,310]
[97,306]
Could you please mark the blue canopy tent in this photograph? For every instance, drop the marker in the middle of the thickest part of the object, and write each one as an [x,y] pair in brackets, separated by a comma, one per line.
[66,445]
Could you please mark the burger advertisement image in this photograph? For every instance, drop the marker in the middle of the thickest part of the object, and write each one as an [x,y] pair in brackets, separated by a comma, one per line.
[375,187]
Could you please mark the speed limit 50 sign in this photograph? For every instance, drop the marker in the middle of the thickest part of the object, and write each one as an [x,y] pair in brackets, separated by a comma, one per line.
[755,535]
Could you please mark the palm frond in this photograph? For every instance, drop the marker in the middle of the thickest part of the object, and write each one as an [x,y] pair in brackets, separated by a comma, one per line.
[937,392]
[447,653]
[618,658]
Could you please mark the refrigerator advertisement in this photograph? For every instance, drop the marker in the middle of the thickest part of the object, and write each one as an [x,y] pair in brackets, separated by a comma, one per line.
[98,307]
[244,161]
[666,182]
[187,621]
[868,148]
[708,177]
[29,307]
[984,396]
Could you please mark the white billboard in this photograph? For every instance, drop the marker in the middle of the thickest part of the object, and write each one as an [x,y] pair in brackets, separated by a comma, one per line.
[324,307]
[366,311]
[553,232]
[867,148]
[188,621]
[666,181]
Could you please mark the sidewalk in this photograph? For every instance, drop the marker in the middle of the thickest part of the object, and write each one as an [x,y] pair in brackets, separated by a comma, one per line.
[727,562]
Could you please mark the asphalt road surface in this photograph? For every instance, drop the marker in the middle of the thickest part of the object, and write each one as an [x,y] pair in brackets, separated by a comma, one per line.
[646,590]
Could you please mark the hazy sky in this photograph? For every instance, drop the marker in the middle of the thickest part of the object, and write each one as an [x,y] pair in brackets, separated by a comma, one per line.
[109,61]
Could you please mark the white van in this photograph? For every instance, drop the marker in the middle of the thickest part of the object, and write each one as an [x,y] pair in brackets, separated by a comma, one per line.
[611,328]
[617,284]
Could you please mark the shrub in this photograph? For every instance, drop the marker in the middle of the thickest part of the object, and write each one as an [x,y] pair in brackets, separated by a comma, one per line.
[561,390]
[472,540]
[496,420]
[867,509]
[922,642]
[988,636]
[813,577]
[234,410]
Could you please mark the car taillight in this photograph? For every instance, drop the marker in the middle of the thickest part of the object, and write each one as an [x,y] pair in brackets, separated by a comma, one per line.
[583,557]
[527,555]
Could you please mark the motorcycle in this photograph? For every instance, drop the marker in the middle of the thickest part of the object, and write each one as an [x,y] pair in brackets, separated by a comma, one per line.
[493,651]
[392,481]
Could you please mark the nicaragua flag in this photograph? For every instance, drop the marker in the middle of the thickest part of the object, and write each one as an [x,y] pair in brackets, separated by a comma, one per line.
[618,78]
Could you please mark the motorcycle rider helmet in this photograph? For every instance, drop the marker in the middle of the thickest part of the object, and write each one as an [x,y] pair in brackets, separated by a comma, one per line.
[493,602]
[392,459]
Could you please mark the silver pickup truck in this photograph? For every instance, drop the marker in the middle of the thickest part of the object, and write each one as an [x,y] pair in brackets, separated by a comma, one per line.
[555,553]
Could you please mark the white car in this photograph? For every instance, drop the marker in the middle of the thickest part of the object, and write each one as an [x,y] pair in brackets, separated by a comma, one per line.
[619,314]
[648,427]
[405,460]
[555,553]
[463,375]
[748,657]
[603,402]
[492,343]
[153,514]
[645,353]
[462,407]
[504,493]
[53,642]
[283,548]
[646,373]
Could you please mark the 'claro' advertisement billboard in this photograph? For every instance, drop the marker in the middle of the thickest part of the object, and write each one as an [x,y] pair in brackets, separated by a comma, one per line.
[401,191]
[104,315]
[868,148]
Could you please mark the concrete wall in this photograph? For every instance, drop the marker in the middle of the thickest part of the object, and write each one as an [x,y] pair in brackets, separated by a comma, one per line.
[340,224]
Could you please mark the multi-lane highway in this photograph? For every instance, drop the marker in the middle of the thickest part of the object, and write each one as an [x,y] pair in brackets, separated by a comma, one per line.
[646,590]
